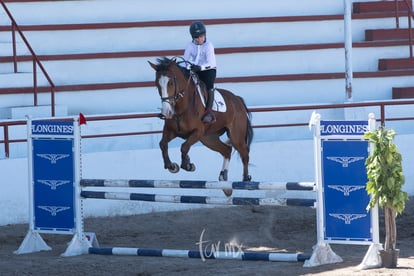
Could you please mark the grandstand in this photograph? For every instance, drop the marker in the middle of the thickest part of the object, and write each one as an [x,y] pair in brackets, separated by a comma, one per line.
[269,52]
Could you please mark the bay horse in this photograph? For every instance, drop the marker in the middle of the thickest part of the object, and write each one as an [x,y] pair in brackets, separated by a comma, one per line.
[182,109]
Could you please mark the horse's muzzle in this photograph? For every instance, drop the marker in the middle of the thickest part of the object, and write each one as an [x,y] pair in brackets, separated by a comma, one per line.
[167,110]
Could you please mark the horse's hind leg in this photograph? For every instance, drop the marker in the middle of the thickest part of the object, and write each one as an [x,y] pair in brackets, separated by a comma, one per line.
[226,162]
[239,143]
[214,143]
[225,169]
[243,150]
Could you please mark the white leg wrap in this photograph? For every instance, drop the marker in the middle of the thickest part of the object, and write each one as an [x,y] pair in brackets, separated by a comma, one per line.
[226,163]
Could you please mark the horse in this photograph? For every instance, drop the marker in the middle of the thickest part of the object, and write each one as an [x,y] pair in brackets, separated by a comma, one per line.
[182,110]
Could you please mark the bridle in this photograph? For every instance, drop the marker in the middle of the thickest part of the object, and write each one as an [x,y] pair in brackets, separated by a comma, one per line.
[178,94]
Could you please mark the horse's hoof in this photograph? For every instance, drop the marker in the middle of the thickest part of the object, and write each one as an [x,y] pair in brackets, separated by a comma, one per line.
[174,168]
[190,167]
[228,192]
[223,175]
[247,178]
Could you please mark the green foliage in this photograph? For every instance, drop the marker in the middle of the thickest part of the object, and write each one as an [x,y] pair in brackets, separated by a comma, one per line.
[384,171]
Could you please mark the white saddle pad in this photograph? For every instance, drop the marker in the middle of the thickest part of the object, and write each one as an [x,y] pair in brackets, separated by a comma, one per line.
[219,104]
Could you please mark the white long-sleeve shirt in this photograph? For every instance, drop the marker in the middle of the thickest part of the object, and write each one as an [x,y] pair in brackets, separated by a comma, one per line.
[202,55]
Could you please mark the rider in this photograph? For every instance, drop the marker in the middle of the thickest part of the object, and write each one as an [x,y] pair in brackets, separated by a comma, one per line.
[200,53]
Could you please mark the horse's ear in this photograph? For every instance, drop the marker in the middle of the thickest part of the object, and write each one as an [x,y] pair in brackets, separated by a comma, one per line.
[153,65]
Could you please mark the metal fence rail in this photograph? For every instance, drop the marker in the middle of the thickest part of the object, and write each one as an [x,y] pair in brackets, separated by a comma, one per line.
[9,125]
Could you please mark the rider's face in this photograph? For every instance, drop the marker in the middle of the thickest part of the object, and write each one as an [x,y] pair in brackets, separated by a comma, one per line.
[200,39]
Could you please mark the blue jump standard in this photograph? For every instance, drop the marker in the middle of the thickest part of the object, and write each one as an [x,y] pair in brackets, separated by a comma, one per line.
[199,199]
[198,184]
[243,256]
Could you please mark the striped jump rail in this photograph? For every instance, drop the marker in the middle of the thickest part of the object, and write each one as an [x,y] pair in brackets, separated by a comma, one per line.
[198,184]
[243,256]
[199,199]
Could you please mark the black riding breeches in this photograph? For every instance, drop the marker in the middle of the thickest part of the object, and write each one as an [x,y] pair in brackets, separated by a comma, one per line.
[208,77]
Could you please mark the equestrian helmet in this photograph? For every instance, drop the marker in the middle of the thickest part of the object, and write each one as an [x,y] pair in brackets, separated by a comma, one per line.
[197,29]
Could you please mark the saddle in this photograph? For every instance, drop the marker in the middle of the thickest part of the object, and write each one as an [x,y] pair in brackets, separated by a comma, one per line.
[219,104]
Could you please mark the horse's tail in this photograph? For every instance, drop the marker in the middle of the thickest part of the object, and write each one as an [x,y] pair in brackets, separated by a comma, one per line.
[249,129]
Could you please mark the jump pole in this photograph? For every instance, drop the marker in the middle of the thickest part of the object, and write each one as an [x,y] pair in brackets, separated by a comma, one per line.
[198,184]
[199,199]
[201,254]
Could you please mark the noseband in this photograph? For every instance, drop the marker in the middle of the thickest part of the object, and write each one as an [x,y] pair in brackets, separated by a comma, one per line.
[178,94]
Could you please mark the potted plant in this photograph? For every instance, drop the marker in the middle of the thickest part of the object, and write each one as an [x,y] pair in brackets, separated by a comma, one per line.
[385,181]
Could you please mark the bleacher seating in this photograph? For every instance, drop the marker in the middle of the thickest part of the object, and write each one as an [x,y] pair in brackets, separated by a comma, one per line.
[269,52]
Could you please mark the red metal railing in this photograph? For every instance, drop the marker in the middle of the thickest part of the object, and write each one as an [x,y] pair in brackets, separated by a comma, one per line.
[381,105]
[410,16]
[36,61]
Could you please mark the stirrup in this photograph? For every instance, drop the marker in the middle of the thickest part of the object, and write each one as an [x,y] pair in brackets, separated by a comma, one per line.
[209,117]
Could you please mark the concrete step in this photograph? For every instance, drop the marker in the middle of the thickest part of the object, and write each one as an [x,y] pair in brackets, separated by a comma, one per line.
[21,79]
[263,90]
[81,69]
[41,111]
[379,6]
[396,63]
[90,11]
[174,36]
[403,92]
[387,34]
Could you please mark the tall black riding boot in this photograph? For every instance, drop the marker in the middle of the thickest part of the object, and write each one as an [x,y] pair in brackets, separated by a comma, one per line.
[208,115]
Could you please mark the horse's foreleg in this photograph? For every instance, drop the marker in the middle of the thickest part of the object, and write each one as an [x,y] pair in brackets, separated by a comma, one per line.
[185,158]
[172,167]
[185,148]
[186,163]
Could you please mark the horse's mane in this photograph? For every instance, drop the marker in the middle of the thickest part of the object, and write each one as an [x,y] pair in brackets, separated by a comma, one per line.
[164,62]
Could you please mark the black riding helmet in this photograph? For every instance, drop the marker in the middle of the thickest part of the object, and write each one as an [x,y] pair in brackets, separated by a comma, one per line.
[197,29]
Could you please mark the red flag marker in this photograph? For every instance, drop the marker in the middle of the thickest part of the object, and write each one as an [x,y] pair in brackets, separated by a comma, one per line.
[82,119]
